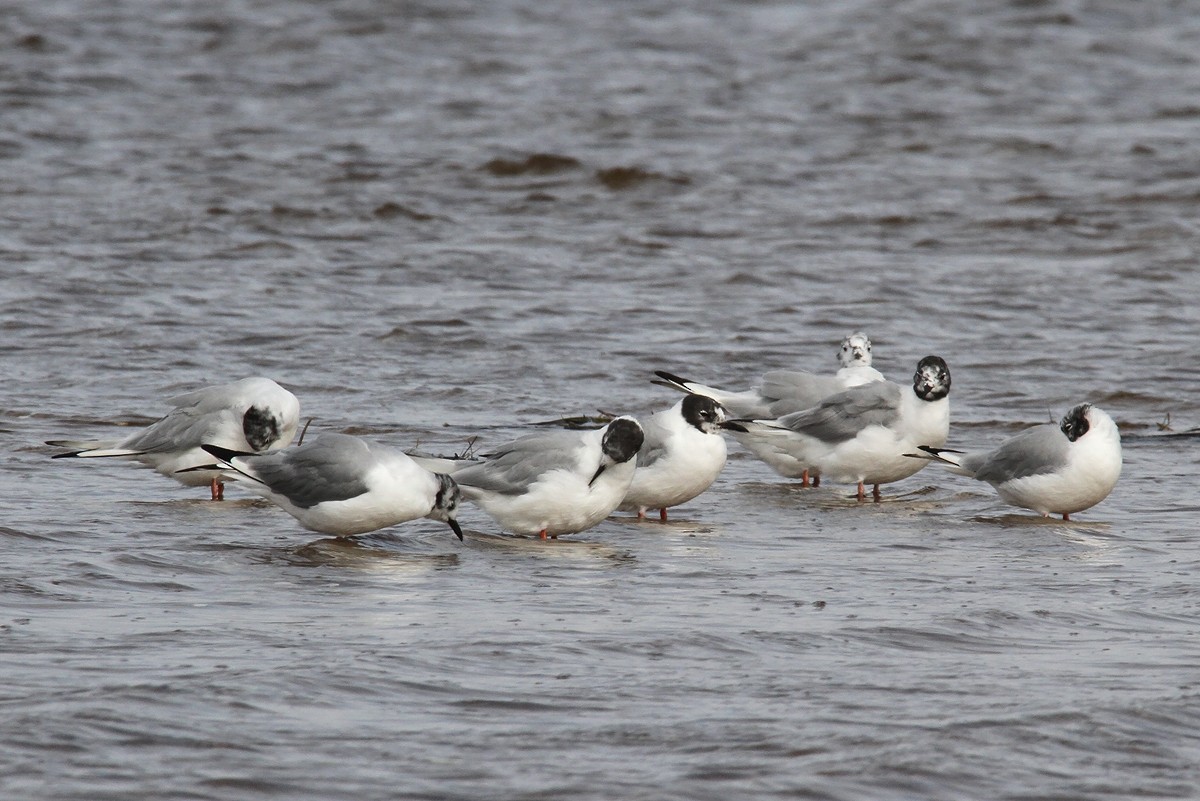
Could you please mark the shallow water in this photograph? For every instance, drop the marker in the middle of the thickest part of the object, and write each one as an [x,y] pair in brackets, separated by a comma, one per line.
[434,221]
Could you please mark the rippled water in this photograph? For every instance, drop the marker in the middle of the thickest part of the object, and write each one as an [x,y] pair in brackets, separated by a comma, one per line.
[436,220]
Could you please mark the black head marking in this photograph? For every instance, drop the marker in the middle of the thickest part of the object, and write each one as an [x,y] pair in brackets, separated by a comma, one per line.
[445,503]
[1075,424]
[703,412]
[931,382]
[260,427]
[622,440]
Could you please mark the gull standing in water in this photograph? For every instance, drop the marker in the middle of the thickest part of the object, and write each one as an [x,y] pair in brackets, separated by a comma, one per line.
[343,485]
[782,391]
[860,435]
[550,484]
[253,415]
[1059,469]
[681,457]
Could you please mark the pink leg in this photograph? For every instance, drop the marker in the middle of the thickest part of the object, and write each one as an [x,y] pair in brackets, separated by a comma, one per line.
[217,489]
[862,493]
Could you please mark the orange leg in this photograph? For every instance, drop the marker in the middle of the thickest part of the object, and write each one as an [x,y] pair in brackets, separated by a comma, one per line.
[218,490]
[662,514]
[804,478]
[542,534]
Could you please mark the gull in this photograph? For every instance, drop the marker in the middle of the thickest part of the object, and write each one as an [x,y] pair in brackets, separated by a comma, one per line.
[681,457]
[781,392]
[253,415]
[859,435]
[555,483]
[1059,469]
[344,485]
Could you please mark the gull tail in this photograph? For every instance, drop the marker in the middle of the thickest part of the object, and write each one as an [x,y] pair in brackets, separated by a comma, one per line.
[226,455]
[745,426]
[938,455]
[673,381]
[199,467]
[88,449]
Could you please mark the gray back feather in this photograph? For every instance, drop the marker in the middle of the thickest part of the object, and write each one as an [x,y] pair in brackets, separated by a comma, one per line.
[330,468]
[654,443]
[182,427]
[798,390]
[511,468]
[1036,450]
[842,416]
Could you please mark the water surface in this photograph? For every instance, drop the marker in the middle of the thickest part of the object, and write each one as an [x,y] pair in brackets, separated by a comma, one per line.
[440,220]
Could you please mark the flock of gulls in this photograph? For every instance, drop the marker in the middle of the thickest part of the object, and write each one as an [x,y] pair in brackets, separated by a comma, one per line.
[853,427]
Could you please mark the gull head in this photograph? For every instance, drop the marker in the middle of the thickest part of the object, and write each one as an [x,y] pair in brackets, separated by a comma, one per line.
[856,350]
[931,382]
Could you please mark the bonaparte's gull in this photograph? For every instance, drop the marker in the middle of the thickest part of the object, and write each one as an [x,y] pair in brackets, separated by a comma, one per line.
[1059,469]
[859,435]
[343,485]
[681,457]
[254,414]
[555,483]
[780,392]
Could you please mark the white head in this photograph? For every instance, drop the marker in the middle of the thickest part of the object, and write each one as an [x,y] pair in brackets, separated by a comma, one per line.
[856,350]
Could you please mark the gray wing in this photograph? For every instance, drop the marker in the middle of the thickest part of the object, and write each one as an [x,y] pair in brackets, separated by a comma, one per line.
[183,428]
[654,444]
[198,417]
[797,389]
[1041,449]
[513,467]
[842,416]
[330,468]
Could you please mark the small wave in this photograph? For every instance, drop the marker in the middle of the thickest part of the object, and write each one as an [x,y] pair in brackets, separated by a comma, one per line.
[535,164]
[620,178]
[391,210]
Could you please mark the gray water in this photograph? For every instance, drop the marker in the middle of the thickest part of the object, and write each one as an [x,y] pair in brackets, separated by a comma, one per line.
[446,219]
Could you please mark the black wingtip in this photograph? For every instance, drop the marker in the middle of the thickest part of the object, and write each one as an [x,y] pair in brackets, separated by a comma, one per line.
[674,379]
[224,454]
[200,467]
[932,451]
[58,443]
